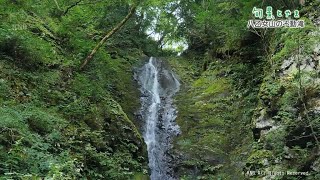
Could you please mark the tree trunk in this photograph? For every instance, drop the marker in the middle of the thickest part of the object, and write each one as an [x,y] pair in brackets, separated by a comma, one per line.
[57,4]
[108,35]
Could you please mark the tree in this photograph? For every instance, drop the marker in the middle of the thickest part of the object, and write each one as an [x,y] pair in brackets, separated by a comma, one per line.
[108,35]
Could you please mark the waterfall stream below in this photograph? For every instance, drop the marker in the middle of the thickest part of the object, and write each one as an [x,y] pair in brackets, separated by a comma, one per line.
[158,86]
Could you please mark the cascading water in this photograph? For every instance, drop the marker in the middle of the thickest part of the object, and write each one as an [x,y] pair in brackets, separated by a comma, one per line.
[158,85]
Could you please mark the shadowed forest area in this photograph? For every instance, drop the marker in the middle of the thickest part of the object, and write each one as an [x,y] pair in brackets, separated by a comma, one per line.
[241,102]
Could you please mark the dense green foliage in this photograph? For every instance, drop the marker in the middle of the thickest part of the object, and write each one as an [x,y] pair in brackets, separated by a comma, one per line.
[237,81]
[249,99]
[57,122]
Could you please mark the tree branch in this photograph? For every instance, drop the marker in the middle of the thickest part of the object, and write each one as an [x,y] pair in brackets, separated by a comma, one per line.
[108,35]
[57,4]
[302,99]
[70,7]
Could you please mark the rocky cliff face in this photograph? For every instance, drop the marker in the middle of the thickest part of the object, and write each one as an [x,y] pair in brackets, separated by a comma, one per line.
[253,116]
[286,122]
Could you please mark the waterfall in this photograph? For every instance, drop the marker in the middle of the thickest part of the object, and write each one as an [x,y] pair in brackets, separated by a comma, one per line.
[158,85]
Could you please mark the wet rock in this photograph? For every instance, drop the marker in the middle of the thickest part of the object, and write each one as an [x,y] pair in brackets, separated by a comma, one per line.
[287,153]
[317,49]
[159,84]
[307,63]
[287,63]
[316,165]
[315,105]
[262,125]
[263,122]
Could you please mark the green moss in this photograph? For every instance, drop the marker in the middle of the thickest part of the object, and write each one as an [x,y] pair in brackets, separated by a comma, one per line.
[4,90]
[11,118]
[211,119]
[219,86]
[57,122]
[292,38]
[258,156]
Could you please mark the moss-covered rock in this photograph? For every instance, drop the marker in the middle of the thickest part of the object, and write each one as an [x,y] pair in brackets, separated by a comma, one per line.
[286,105]
[213,125]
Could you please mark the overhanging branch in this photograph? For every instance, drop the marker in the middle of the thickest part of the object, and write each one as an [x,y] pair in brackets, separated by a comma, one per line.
[108,35]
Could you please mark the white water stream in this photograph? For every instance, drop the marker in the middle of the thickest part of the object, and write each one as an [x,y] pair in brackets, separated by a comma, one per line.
[158,85]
